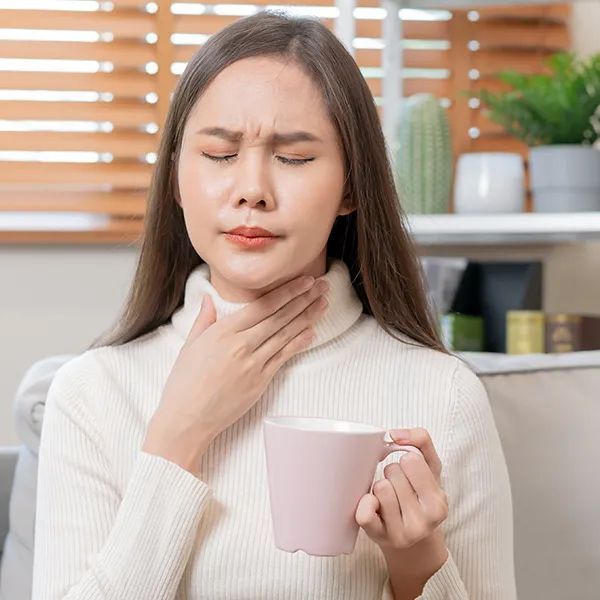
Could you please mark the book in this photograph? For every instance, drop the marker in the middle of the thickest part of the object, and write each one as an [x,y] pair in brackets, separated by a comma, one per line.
[525,332]
[462,333]
[567,332]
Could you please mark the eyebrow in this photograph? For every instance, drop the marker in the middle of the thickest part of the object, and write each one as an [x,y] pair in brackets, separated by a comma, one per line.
[278,138]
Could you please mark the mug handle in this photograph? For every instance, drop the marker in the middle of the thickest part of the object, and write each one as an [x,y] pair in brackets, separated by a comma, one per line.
[389,447]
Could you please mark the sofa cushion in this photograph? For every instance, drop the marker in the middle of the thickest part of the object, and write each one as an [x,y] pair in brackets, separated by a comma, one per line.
[17,561]
[547,410]
[16,568]
[8,461]
[30,398]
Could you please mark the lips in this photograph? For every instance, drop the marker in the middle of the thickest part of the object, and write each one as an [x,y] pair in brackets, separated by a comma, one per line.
[251,232]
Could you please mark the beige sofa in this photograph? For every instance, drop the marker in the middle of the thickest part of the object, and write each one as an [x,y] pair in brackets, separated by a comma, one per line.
[547,409]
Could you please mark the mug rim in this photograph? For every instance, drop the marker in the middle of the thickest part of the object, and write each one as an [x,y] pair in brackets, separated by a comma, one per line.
[279,421]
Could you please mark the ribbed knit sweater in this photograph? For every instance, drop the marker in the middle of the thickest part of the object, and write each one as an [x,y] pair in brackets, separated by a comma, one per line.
[115,522]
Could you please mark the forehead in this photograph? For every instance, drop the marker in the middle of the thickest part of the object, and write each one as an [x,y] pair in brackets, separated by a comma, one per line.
[263,93]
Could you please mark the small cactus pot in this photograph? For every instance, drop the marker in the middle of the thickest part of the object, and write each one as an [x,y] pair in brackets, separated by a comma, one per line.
[423,156]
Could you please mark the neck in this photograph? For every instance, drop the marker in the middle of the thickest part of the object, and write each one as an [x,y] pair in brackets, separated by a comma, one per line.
[344,309]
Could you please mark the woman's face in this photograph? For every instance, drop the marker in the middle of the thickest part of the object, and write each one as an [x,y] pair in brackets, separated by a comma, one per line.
[258,186]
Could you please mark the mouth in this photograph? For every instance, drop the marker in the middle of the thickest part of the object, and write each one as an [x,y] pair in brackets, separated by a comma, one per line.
[253,242]
[251,232]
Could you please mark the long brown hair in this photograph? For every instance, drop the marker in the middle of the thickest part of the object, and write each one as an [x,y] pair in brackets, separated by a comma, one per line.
[372,240]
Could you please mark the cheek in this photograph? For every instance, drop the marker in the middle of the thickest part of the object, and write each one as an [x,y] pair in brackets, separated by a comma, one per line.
[196,183]
[313,219]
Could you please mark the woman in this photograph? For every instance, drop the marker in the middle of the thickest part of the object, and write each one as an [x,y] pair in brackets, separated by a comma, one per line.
[152,482]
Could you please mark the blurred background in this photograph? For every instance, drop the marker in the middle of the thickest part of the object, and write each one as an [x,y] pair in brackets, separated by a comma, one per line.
[84,89]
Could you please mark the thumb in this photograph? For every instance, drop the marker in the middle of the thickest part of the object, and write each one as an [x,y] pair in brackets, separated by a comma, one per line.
[206,317]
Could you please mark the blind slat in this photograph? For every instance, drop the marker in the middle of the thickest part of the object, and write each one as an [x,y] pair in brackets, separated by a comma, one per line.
[45,200]
[489,62]
[121,53]
[121,113]
[120,83]
[127,24]
[521,35]
[119,175]
[545,12]
[130,144]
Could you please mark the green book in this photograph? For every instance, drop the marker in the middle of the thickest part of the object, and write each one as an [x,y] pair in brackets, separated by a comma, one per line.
[463,333]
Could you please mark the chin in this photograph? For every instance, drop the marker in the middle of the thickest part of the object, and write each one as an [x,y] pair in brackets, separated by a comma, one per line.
[254,272]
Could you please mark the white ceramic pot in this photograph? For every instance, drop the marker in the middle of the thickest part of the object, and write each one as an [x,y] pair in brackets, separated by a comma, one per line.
[489,182]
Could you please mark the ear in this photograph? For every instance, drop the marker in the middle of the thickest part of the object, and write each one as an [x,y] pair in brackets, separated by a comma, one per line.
[346,207]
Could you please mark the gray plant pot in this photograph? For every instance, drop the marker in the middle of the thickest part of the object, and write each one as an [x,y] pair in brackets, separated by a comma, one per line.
[565,178]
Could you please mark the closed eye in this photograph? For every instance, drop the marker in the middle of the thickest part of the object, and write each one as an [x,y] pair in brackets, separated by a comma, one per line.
[287,161]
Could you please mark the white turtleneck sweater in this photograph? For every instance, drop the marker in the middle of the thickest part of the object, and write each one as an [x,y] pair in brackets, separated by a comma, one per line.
[114,522]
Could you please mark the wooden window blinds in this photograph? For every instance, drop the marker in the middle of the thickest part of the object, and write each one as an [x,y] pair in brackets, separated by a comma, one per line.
[85,86]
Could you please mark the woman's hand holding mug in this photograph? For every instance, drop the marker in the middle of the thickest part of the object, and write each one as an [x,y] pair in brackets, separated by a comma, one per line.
[408,505]
[224,367]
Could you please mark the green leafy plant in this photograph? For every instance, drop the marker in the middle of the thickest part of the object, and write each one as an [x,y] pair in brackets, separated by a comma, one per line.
[562,107]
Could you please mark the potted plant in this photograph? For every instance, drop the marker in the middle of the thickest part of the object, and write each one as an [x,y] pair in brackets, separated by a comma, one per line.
[558,116]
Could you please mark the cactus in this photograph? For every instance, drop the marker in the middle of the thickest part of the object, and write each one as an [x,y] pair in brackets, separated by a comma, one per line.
[423,156]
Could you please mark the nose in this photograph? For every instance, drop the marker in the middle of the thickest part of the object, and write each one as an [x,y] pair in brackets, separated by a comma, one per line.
[253,201]
[252,181]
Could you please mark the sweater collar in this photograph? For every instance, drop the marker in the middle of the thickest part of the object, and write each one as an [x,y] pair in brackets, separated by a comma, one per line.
[345,307]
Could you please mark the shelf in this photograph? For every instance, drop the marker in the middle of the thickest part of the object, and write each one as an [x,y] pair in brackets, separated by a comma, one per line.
[503,229]
[37,227]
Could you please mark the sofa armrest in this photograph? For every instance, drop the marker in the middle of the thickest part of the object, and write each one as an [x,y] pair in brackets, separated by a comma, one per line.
[8,461]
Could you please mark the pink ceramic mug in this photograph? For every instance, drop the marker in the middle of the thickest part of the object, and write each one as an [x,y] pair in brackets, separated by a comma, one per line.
[318,469]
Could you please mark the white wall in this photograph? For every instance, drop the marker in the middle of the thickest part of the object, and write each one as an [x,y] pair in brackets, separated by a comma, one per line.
[585,23]
[55,300]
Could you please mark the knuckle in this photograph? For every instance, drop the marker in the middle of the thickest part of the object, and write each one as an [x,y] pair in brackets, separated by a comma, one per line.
[399,541]
[251,363]
[444,498]
[415,532]
[422,434]
[438,511]
[240,348]
[442,509]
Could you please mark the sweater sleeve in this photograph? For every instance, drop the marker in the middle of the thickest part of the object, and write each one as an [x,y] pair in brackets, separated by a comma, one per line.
[479,527]
[91,541]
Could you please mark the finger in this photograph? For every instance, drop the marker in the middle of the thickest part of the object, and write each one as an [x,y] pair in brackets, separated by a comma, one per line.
[389,509]
[410,509]
[430,495]
[368,518]
[269,303]
[206,317]
[420,438]
[284,324]
[415,521]
[280,338]
[299,343]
